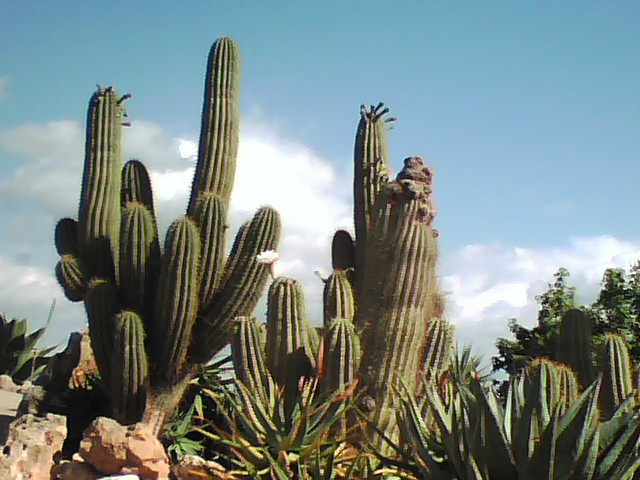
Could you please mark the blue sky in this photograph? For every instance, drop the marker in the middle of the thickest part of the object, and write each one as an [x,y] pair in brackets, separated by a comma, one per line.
[529,112]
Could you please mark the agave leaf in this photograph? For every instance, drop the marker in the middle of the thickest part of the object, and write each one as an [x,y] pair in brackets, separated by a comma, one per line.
[618,444]
[542,463]
[493,445]
[574,429]
[416,432]
[18,329]
[585,464]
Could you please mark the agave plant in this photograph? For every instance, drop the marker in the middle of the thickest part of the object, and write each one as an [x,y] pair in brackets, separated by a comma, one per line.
[269,441]
[529,439]
[19,356]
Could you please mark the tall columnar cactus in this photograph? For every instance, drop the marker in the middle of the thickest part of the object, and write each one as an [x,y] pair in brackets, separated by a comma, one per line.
[99,213]
[219,132]
[288,346]
[338,298]
[177,304]
[617,377]
[342,354]
[574,347]
[248,356]
[161,312]
[398,275]
[371,173]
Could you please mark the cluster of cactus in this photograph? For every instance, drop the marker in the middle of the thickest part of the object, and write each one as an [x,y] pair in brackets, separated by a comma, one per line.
[382,307]
[156,312]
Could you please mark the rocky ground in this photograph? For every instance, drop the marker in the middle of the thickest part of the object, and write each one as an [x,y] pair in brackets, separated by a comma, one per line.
[35,444]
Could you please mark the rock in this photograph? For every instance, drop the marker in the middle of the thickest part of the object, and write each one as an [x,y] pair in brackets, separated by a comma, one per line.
[31,445]
[25,387]
[115,449]
[192,467]
[32,400]
[71,367]
[75,470]
[121,477]
[7,384]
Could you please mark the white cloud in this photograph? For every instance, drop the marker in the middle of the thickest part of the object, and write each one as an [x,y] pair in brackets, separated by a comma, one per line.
[27,292]
[4,84]
[489,284]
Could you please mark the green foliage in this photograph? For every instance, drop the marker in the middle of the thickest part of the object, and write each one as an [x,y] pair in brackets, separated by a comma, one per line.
[539,341]
[616,310]
[19,356]
[203,404]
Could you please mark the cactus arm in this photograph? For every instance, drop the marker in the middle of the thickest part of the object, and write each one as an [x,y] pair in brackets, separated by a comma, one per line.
[66,237]
[241,287]
[71,277]
[210,216]
[343,251]
[129,385]
[102,306]
[139,262]
[371,173]
[177,301]
[136,185]
[99,214]
[338,298]
[219,133]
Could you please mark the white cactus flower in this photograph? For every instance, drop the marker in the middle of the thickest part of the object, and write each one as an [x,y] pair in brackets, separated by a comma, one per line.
[269,257]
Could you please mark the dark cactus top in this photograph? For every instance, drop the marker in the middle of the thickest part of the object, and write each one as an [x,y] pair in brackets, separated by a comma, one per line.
[414,183]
